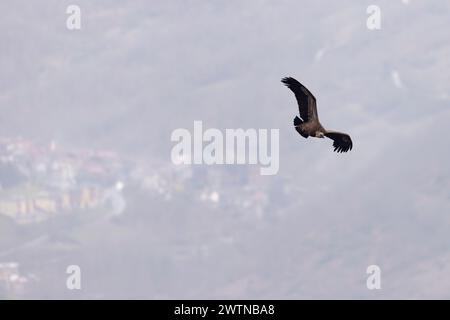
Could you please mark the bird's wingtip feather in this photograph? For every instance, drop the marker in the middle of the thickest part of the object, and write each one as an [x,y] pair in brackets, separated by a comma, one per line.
[286,80]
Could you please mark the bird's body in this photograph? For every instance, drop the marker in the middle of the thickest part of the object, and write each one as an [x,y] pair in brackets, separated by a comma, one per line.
[309,129]
[308,125]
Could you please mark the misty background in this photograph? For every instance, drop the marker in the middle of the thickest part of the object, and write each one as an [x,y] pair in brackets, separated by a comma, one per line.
[86,176]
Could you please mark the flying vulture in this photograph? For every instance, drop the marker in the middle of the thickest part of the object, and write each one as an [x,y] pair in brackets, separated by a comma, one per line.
[308,124]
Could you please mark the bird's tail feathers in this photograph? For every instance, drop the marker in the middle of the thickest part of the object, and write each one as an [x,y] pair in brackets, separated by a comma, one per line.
[297,121]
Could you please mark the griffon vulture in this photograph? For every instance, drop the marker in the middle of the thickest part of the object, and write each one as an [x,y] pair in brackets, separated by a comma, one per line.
[308,124]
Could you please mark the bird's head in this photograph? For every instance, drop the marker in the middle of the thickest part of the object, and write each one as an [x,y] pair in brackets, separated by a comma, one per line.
[320,134]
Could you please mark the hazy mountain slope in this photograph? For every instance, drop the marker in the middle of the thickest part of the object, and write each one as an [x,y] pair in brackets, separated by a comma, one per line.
[137,71]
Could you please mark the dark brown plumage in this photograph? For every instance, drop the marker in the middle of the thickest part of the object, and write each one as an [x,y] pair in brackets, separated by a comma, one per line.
[308,125]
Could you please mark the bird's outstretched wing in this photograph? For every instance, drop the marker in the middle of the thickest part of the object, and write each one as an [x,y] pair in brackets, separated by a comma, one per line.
[341,141]
[305,99]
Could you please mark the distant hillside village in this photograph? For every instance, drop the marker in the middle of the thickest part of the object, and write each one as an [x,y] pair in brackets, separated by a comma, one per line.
[43,181]
[39,181]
